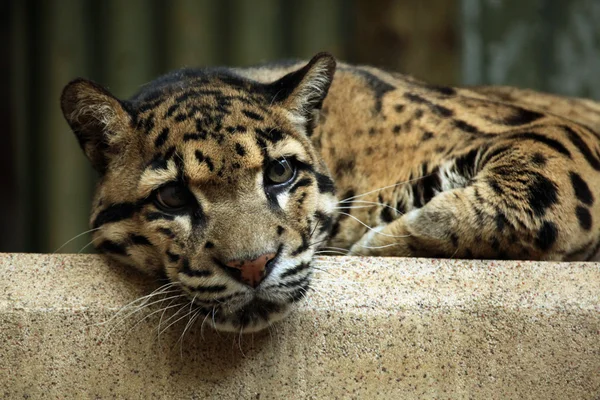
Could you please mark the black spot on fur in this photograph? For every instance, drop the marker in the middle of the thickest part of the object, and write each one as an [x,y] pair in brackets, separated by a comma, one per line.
[201,273]
[273,135]
[426,136]
[442,111]
[173,257]
[194,136]
[584,217]
[397,129]
[522,117]
[149,123]
[161,138]
[324,183]
[539,159]
[501,221]
[252,115]
[345,165]
[386,214]
[552,143]
[542,194]
[546,236]
[583,148]
[280,230]
[379,87]
[240,150]
[443,90]
[454,239]
[399,108]
[167,232]
[181,117]
[465,126]
[415,98]
[108,246]
[581,188]
[115,213]
[202,158]
[171,110]
[209,245]
[139,240]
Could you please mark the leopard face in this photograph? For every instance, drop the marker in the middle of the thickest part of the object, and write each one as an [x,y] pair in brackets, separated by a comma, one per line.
[211,179]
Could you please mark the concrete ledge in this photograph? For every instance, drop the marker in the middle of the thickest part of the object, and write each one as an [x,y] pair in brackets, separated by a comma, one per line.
[374,328]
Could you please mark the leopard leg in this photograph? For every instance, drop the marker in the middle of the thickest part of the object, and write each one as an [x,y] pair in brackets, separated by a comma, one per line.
[525,202]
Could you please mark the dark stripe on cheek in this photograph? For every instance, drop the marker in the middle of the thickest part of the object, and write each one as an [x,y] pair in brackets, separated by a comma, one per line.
[324,183]
[115,213]
[300,183]
[202,273]
[295,270]
[140,240]
[110,247]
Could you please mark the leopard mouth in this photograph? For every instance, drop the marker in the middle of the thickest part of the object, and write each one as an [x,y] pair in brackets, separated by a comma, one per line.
[249,314]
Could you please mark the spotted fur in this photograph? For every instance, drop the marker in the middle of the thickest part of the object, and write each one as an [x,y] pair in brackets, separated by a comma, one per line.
[487,172]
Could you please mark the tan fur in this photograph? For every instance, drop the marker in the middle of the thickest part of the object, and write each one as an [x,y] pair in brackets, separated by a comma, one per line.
[419,170]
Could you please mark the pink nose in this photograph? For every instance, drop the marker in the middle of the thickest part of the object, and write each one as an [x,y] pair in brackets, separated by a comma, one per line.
[252,272]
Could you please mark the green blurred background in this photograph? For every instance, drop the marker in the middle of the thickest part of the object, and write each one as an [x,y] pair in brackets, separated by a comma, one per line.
[45,181]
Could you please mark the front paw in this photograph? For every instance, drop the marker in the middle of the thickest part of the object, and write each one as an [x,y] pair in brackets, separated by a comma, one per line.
[369,243]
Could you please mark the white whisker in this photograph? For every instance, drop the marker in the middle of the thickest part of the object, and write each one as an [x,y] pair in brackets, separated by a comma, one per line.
[383,188]
[73,238]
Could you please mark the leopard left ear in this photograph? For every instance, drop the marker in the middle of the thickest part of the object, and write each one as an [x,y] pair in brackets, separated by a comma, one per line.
[302,92]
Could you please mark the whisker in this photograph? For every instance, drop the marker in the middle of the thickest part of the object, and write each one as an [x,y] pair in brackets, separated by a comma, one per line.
[75,237]
[383,188]
[86,246]
[380,247]
[372,229]
[177,320]
[373,203]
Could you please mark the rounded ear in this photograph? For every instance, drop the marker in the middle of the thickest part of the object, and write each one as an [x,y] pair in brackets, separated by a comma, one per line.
[302,92]
[97,118]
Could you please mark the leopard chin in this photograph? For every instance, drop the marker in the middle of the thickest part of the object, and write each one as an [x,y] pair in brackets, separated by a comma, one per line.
[254,316]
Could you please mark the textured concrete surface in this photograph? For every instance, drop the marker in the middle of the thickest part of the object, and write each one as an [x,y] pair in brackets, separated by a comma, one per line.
[373,328]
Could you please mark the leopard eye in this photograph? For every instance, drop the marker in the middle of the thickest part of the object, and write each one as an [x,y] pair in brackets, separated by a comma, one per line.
[279,172]
[174,197]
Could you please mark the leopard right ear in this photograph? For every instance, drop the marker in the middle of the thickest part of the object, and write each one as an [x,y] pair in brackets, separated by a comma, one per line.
[98,119]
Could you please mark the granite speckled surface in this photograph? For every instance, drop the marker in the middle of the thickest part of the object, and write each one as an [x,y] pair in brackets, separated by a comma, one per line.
[373,328]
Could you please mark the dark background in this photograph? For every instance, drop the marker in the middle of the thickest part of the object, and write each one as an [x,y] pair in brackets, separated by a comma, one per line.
[46,183]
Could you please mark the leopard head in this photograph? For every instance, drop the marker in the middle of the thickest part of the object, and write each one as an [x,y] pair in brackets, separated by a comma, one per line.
[211,179]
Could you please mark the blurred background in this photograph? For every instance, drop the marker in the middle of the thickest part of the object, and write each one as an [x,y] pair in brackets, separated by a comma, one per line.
[45,181]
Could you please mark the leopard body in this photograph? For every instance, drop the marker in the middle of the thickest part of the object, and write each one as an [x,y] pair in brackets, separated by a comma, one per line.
[384,164]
